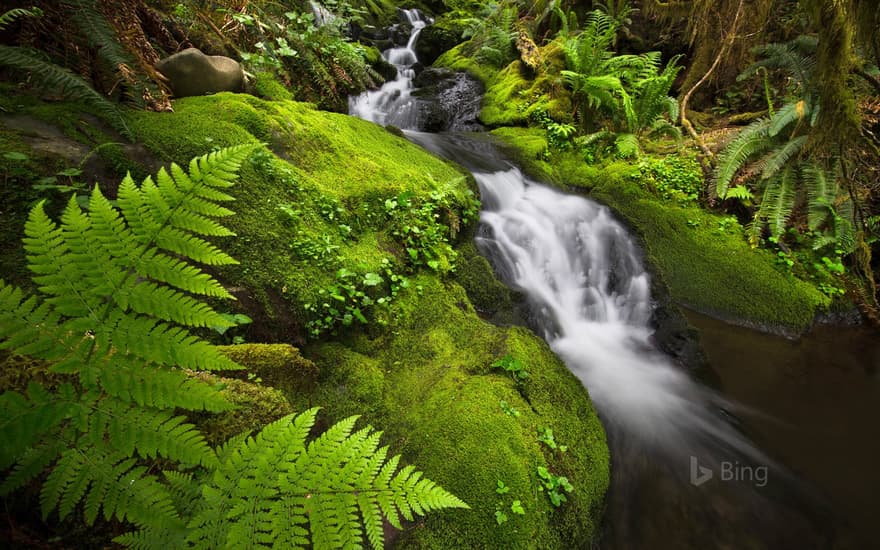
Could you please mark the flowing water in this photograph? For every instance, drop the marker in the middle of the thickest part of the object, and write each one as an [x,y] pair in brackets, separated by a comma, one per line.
[684,473]
[393,103]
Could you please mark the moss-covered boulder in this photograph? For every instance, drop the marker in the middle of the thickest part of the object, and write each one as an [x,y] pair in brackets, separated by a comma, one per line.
[277,365]
[516,94]
[429,383]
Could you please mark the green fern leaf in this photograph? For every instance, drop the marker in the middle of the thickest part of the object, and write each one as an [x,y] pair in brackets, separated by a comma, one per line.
[64,82]
[751,141]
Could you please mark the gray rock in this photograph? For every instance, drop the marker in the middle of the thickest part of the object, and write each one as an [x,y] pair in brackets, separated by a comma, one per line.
[192,73]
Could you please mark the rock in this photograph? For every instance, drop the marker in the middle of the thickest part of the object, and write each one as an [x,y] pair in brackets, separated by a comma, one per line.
[451,100]
[433,41]
[192,73]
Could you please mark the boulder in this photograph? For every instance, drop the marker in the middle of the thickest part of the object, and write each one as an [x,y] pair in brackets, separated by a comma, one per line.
[192,73]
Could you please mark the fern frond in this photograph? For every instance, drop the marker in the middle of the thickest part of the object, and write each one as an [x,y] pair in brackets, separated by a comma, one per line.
[626,145]
[26,420]
[9,16]
[778,201]
[152,433]
[110,482]
[740,192]
[64,82]
[794,111]
[779,157]
[751,141]
[326,485]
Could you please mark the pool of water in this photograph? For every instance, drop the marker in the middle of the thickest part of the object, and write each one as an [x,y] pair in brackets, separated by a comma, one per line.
[814,405]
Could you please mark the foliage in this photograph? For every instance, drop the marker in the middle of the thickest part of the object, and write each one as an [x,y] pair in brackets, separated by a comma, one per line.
[492,34]
[771,156]
[673,177]
[274,490]
[512,366]
[352,297]
[427,228]
[118,293]
[631,91]
[555,486]
[318,61]
[57,78]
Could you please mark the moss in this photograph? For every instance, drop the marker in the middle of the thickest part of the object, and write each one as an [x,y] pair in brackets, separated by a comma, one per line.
[333,171]
[475,275]
[706,266]
[267,86]
[427,382]
[515,95]
[256,406]
[278,365]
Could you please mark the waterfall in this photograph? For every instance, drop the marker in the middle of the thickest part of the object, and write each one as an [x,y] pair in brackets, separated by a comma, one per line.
[393,103]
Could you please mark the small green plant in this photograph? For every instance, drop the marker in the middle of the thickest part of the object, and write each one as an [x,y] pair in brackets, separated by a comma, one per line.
[500,516]
[545,436]
[512,366]
[517,508]
[502,489]
[508,410]
[673,178]
[554,485]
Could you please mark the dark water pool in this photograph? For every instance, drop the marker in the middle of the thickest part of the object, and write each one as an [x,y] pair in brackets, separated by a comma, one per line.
[815,408]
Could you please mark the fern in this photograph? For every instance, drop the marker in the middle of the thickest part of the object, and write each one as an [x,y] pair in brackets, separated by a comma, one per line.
[322,489]
[100,35]
[64,82]
[108,288]
[116,291]
[750,142]
[8,17]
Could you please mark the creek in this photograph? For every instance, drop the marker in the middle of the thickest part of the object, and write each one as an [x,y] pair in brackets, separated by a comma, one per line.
[730,466]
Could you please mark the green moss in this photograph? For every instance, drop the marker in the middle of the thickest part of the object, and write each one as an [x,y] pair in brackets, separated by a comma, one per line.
[267,86]
[475,275]
[707,265]
[256,406]
[278,365]
[325,194]
[515,95]
[427,382]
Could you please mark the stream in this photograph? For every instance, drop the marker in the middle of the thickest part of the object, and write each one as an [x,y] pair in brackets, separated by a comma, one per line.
[752,463]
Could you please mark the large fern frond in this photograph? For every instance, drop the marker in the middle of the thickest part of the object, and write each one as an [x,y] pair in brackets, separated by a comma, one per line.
[64,82]
[9,16]
[751,141]
[778,201]
[325,486]
[779,157]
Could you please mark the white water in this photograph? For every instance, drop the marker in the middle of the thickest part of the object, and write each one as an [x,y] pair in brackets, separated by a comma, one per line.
[586,283]
[393,103]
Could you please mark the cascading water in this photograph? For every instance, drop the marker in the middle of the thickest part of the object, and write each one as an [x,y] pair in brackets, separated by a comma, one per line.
[393,103]
[590,296]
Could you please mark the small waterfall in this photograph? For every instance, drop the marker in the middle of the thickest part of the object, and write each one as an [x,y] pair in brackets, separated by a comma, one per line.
[393,103]
[322,15]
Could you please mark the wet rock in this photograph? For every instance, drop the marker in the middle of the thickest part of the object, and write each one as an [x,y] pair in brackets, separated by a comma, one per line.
[192,73]
[451,100]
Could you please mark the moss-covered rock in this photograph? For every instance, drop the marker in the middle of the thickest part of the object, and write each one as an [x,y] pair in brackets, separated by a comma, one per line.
[256,406]
[315,206]
[516,95]
[278,365]
[706,263]
[428,382]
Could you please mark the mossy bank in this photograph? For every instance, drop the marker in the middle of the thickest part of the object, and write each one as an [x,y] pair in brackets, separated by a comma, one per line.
[347,239]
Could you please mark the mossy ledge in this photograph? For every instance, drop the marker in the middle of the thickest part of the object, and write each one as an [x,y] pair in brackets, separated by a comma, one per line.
[711,271]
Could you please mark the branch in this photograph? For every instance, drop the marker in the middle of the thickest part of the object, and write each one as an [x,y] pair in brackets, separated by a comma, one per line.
[728,42]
